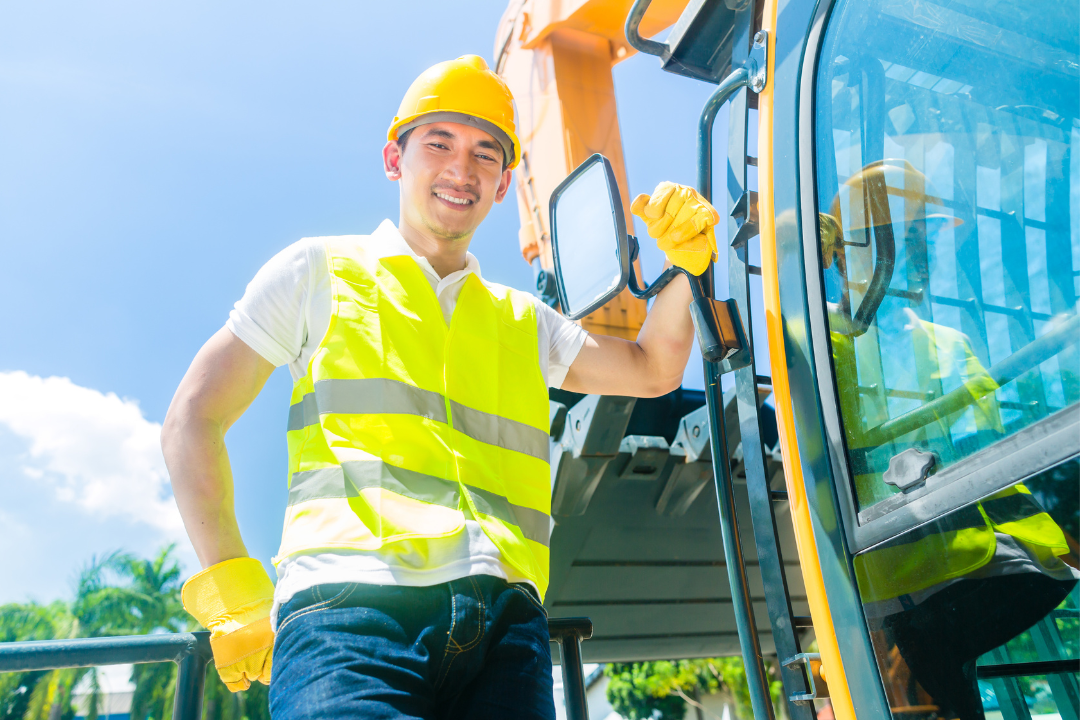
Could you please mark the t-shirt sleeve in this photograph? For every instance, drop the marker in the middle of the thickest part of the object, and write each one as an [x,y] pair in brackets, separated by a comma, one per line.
[565,339]
[272,315]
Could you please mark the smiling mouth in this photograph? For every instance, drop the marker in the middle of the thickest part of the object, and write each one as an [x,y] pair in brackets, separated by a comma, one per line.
[451,199]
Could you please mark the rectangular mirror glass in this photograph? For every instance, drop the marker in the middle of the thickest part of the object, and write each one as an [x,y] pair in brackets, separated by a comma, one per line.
[588,238]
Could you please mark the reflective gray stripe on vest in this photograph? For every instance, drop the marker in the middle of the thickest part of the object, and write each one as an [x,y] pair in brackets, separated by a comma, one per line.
[534,525]
[366,396]
[303,413]
[372,396]
[495,430]
[348,480]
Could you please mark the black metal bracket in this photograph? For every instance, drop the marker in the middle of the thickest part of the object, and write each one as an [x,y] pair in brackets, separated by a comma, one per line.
[699,43]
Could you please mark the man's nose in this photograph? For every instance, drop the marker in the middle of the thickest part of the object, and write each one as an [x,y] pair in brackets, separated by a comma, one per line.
[460,168]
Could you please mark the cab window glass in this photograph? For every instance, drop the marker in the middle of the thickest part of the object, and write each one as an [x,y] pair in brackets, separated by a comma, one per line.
[977,614]
[948,171]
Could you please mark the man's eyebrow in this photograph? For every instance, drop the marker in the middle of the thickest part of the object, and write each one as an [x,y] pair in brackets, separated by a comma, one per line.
[491,145]
[439,132]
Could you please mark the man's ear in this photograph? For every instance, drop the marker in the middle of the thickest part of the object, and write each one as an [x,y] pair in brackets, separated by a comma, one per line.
[391,156]
[504,185]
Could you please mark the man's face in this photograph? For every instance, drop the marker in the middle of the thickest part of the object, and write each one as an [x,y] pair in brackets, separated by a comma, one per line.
[450,174]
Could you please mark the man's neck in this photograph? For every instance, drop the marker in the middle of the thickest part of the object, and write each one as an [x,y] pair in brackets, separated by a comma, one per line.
[445,256]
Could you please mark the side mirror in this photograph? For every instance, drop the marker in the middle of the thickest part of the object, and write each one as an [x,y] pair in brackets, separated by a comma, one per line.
[593,256]
[588,238]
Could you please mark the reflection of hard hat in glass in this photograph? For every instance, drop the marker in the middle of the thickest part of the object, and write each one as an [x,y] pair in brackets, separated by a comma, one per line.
[463,91]
[875,183]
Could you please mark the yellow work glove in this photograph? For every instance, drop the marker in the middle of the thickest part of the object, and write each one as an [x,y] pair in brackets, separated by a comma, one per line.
[681,222]
[232,600]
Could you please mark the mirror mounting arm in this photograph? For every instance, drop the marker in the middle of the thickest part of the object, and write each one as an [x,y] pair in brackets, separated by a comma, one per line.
[644,293]
[717,323]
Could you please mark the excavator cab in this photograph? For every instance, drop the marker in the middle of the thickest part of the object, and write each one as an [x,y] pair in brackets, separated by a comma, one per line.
[902,180]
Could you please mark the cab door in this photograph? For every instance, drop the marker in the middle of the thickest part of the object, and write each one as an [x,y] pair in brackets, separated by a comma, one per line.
[939,212]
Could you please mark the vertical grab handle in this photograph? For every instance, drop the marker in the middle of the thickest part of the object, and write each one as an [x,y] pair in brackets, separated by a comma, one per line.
[760,699]
[569,632]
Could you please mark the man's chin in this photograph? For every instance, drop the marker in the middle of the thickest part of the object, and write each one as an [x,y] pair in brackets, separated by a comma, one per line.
[459,230]
[449,232]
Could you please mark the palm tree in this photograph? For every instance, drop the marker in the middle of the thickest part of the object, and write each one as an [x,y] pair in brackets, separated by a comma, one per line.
[118,594]
[33,694]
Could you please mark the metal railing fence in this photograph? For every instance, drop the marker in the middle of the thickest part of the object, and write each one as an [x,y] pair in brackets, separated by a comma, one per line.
[190,651]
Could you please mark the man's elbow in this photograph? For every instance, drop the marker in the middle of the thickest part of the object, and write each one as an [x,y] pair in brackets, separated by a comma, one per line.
[658,385]
[171,432]
[183,418]
[662,371]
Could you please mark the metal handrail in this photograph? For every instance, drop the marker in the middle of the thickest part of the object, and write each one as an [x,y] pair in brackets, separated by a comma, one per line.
[190,651]
[633,20]
[749,643]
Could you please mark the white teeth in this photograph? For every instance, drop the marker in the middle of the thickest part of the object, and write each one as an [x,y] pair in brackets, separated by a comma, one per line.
[456,201]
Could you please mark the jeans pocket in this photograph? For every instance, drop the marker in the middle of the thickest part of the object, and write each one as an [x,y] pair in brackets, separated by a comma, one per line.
[347,589]
[529,592]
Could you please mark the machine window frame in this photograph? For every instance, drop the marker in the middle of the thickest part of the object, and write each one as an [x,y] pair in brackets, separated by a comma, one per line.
[1034,449]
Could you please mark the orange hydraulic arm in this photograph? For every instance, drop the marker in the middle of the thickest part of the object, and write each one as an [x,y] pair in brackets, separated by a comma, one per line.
[556,56]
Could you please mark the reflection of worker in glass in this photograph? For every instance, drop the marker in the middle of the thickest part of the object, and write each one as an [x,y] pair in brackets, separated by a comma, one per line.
[869,223]
[942,595]
[860,216]
[950,591]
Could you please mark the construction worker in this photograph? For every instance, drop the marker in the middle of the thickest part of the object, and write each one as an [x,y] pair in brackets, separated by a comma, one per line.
[414,556]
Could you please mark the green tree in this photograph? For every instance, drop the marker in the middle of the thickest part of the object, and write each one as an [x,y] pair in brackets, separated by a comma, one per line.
[661,690]
[118,594]
[45,694]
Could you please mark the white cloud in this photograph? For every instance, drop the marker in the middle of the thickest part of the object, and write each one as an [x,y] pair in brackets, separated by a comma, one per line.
[94,450]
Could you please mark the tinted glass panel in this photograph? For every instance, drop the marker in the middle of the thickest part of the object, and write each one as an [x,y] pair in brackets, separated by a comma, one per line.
[948,167]
[977,614]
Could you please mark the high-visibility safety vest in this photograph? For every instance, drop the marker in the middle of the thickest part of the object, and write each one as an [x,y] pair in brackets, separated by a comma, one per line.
[403,424]
[955,545]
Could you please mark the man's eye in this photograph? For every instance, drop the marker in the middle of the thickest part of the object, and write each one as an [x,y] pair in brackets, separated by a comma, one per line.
[437,145]
[486,157]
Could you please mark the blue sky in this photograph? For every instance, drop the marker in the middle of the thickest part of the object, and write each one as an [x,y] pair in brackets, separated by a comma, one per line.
[152,157]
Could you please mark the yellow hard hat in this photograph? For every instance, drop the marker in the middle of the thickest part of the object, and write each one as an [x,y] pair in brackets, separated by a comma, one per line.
[462,91]
[882,178]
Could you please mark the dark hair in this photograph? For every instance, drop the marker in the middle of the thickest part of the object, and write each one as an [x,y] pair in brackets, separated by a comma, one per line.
[403,138]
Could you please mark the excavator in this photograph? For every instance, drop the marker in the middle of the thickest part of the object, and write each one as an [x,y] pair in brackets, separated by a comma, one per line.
[887,508]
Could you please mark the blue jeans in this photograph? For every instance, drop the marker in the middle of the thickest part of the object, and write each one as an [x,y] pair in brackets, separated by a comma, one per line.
[472,648]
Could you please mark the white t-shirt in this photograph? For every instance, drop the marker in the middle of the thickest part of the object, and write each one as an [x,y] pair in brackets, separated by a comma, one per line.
[284,315]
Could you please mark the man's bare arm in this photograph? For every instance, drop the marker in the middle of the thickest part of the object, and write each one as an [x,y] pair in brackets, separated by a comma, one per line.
[223,380]
[651,366]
